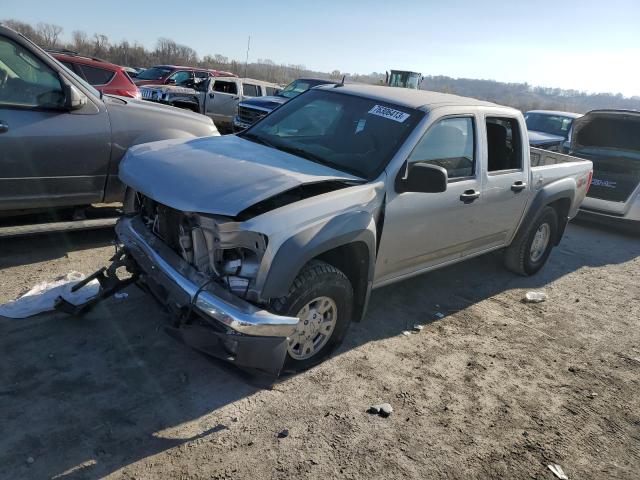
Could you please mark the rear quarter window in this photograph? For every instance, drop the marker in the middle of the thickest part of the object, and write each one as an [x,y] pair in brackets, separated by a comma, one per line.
[95,75]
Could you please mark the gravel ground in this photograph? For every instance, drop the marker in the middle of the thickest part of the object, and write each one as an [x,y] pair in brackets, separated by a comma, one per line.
[496,388]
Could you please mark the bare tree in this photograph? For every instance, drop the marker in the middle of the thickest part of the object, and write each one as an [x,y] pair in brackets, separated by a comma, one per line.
[80,42]
[49,34]
[100,45]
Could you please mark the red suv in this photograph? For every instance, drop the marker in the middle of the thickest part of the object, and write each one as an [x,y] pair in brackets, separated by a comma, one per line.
[104,76]
[174,75]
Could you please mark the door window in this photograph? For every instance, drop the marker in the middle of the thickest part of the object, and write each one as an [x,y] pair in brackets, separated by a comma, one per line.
[504,150]
[25,80]
[95,75]
[224,86]
[250,90]
[180,77]
[450,144]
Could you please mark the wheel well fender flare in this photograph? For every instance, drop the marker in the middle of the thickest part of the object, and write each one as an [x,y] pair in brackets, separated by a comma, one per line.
[312,242]
[560,195]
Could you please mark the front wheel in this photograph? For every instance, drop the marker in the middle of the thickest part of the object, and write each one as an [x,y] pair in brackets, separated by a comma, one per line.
[529,251]
[322,298]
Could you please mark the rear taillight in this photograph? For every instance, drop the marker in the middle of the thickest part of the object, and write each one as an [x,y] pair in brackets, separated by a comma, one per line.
[589,181]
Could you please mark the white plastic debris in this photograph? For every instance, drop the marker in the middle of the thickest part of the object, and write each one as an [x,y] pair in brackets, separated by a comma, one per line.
[557,471]
[406,333]
[417,327]
[41,297]
[121,295]
[439,315]
[535,297]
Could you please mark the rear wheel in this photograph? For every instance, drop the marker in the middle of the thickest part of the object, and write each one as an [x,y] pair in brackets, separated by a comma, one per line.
[530,250]
[322,298]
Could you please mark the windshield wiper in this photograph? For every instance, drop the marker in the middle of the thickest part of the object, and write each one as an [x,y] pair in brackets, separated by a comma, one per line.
[300,152]
[255,138]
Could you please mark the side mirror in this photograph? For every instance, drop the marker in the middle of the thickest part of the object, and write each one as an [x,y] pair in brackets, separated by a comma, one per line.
[74,99]
[422,178]
[171,81]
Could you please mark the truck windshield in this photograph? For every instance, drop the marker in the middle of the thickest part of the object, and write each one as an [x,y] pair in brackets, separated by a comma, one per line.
[295,88]
[346,132]
[553,124]
[153,73]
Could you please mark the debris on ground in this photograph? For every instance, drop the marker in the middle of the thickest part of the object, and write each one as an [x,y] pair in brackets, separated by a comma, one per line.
[406,333]
[283,433]
[30,460]
[382,409]
[121,295]
[557,471]
[418,327]
[42,297]
[535,297]
[439,314]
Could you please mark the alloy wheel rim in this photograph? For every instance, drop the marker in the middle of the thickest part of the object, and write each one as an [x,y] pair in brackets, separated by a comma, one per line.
[317,322]
[540,242]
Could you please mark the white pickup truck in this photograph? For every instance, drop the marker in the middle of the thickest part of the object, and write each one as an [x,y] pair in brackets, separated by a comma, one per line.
[267,244]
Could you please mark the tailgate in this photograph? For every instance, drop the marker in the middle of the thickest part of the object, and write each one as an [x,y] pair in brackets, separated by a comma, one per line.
[614,179]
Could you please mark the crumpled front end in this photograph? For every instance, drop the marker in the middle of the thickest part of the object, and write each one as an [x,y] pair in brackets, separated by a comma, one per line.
[206,288]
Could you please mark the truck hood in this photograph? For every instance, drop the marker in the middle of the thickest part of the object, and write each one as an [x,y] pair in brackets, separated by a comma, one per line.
[218,175]
[268,103]
[540,138]
[169,89]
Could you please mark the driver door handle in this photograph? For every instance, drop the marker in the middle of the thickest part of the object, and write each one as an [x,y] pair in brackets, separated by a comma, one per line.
[518,186]
[4,126]
[469,196]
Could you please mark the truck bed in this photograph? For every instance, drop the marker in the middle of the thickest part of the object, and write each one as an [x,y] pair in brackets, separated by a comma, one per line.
[551,167]
[540,157]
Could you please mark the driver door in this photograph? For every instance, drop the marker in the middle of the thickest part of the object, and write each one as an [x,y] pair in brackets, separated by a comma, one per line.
[422,230]
[49,156]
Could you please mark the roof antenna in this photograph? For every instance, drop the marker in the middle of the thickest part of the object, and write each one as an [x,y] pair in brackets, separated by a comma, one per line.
[341,84]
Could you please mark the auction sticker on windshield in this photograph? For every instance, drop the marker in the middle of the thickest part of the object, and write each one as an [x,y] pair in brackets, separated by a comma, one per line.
[390,113]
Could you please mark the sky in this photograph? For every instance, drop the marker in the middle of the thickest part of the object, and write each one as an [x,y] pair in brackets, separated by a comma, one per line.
[584,45]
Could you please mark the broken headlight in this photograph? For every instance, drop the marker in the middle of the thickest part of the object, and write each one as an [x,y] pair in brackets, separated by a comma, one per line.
[218,247]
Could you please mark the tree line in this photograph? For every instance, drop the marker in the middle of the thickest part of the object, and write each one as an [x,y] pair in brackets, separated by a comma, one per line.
[518,95]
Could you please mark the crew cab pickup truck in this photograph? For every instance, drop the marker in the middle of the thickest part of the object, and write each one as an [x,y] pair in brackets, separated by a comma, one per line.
[266,244]
[216,98]
[61,140]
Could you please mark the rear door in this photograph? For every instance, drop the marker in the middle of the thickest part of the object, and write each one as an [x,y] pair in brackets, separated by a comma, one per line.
[49,156]
[505,188]
[223,99]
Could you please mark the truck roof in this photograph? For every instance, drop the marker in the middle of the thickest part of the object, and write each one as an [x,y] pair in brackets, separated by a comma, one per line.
[407,97]
[556,112]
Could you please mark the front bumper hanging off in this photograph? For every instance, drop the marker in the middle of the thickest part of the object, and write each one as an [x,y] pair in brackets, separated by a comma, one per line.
[224,325]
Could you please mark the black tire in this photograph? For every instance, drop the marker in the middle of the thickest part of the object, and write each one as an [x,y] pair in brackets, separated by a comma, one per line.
[518,257]
[317,279]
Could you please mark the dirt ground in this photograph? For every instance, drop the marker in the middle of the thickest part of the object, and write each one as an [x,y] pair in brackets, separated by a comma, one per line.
[494,389]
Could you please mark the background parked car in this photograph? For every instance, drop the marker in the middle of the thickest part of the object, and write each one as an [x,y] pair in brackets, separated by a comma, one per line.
[217,98]
[176,75]
[611,140]
[61,141]
[252,110]
[104,76]
[549,129]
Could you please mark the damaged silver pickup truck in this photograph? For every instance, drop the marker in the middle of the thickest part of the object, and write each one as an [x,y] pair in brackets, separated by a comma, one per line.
[267,244]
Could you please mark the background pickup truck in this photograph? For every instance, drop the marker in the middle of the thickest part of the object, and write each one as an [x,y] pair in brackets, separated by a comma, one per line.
[61,140]
[266,244]
[216,98]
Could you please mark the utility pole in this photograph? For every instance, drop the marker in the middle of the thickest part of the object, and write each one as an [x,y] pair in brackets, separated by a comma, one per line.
[246,61]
